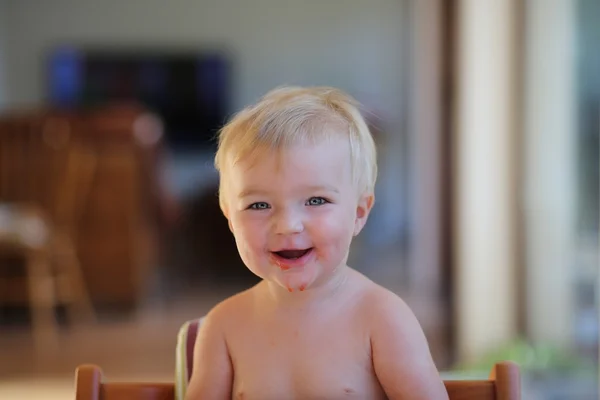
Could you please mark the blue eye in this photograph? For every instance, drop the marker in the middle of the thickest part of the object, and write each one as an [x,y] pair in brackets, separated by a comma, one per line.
[261,205]
[316,201]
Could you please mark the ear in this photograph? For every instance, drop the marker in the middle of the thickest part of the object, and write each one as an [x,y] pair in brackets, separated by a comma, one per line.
[225,211]
[228,221]
[363,208]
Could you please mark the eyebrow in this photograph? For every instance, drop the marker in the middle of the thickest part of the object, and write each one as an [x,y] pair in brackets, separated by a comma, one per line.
[318,188]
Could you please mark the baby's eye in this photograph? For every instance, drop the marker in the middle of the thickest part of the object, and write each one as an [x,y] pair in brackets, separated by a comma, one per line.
[261,205]
[316,201]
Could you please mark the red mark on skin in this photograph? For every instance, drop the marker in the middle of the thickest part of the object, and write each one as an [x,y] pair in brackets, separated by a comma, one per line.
[302,287]
[280,264]
[290,289]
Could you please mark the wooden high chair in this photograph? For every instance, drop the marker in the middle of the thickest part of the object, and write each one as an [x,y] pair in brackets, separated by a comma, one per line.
[503,384]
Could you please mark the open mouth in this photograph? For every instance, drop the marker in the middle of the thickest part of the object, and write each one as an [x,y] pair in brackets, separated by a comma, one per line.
[292,254]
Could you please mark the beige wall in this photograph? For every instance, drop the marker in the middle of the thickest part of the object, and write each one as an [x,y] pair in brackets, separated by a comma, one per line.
[3,40]
[353,44]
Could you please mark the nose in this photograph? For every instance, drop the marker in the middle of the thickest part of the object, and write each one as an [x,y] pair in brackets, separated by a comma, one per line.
[287,222]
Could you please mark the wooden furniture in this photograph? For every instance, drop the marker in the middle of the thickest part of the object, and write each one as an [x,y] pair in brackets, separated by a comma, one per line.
[45,175]
[129,207]
[503,384]
[126,207]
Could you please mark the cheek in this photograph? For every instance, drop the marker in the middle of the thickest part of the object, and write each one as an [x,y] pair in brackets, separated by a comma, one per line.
[248,234]
[249,245]
[334,230]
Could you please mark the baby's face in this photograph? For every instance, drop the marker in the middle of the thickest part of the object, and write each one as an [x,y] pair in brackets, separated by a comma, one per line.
[294,213]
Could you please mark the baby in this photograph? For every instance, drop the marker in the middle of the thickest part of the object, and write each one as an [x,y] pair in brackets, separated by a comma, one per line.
[297,176]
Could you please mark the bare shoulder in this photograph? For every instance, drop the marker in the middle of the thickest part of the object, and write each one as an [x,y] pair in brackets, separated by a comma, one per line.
[229,310]
[401,356]
[387,315]
[379,305]
[387,310]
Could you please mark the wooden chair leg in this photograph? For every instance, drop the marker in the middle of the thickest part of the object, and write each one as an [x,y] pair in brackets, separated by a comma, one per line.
[42,301]
[81,307]
[73,285]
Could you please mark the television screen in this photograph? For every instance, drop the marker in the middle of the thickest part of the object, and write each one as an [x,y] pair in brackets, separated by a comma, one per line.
[189,91]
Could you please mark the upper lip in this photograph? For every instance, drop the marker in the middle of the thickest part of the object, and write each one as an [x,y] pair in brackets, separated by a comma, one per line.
[291,248]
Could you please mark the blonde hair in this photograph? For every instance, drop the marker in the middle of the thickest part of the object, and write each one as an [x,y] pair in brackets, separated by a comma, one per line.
[288,116]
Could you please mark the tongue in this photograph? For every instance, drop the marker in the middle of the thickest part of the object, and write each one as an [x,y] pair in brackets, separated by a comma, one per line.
[292,253]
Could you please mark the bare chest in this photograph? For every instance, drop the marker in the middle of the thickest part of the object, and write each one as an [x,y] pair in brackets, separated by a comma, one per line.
[322,361]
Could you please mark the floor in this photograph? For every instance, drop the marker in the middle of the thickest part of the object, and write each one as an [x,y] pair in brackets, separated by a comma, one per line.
[140,347]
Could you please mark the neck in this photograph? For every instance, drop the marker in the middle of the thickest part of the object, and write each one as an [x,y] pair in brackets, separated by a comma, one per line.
[315,294]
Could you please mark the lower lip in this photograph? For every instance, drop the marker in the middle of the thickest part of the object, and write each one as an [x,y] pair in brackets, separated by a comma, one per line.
[288,263]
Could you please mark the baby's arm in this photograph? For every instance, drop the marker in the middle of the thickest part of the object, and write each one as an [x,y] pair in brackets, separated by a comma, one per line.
[212,375]
[401,357]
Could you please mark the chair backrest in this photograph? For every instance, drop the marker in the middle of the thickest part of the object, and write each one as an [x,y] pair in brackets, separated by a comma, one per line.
[89,385]
[184,356]
[503,384]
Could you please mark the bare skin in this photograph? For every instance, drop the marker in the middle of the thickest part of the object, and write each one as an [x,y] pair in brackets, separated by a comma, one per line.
[349,338]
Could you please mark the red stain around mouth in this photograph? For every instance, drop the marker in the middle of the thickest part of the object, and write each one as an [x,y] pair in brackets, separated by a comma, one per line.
[282,266]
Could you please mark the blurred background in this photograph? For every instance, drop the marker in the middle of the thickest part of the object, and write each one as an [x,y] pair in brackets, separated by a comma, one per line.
[486,115]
